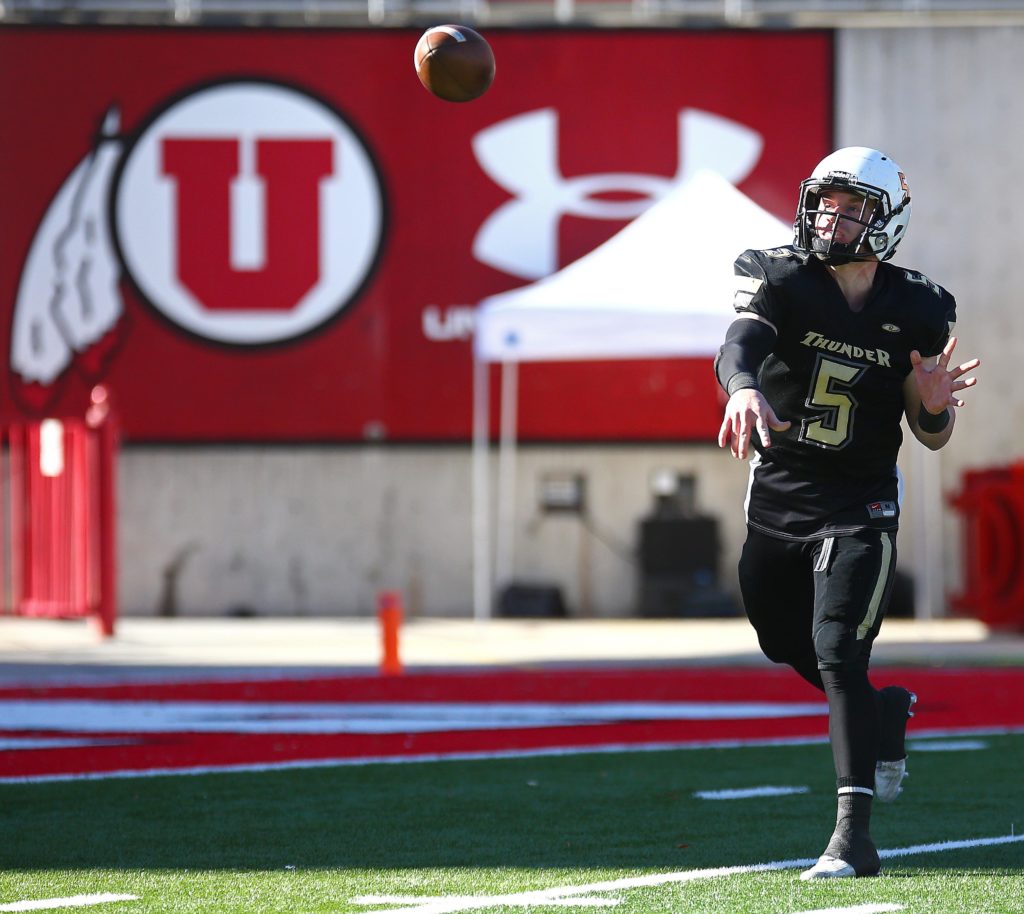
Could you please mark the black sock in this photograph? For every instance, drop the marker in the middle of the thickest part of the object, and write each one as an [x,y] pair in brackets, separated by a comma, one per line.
[851,841]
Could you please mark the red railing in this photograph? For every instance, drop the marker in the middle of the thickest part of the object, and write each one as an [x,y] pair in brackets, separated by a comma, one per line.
[992,507]
[58,516]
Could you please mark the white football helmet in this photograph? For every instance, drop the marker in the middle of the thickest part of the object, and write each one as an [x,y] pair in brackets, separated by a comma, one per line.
[884,218]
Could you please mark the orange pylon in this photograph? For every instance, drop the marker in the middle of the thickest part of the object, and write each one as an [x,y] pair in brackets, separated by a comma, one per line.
[389,611]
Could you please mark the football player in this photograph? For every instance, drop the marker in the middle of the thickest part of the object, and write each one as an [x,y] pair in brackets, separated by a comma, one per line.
[832,346]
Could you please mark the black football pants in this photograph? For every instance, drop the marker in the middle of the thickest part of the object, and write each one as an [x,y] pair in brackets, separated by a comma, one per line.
[818,606]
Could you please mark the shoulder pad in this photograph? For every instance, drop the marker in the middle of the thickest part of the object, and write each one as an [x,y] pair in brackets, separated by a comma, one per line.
[771,264]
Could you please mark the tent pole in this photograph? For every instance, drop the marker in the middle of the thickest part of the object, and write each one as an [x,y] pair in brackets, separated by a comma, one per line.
[929,592]
[505,552]
[481,491]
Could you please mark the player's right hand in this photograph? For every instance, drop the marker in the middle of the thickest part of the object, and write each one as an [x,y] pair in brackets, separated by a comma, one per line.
[746,410]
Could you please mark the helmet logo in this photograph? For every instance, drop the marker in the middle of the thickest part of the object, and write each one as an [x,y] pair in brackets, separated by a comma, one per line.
[903,181]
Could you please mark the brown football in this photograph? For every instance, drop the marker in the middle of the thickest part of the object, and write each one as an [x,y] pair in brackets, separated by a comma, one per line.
[454,62]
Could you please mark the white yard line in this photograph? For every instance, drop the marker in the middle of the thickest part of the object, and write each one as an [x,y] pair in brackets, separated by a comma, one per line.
[948,745]
[72,901]
[857,909]
[483,755]
[746,793]
[568,895]
[108,716]
[16,743]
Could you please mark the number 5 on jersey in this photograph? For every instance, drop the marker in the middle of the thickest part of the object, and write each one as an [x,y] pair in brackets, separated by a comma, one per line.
[832,426]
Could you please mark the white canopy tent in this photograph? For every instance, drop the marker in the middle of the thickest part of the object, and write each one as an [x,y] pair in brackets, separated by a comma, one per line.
[661,287]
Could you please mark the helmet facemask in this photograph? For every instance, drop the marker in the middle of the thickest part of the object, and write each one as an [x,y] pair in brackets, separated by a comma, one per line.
[843,237]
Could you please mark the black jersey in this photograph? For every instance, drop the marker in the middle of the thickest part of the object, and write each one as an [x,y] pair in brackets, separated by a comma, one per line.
[837,376]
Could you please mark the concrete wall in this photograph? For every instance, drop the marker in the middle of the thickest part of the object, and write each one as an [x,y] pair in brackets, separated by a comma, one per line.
[321,530]
[215,531]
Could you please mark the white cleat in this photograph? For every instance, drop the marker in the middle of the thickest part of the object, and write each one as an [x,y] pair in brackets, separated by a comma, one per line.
[889,777]
[890,773]
[829,868]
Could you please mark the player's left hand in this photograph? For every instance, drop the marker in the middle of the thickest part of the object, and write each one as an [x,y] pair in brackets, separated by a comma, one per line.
[938,384]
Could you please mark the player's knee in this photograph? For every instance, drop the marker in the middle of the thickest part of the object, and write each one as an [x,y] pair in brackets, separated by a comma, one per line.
[838,648]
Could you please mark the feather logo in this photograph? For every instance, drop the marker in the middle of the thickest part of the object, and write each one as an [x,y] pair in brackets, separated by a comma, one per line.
[68,303]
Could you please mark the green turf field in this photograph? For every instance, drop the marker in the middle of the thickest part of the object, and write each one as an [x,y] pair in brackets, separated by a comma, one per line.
[323,840]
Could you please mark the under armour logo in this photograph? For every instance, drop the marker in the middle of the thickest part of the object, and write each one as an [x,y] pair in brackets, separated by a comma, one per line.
[521,155]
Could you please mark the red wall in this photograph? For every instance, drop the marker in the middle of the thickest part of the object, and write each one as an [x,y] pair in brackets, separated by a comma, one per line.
[204,341]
